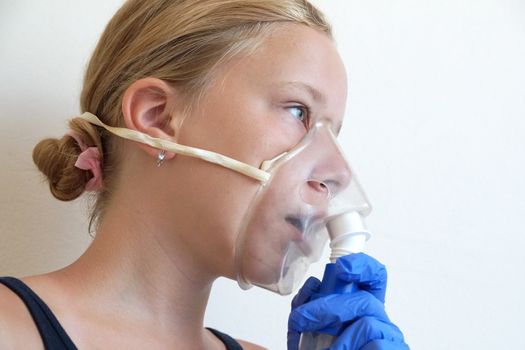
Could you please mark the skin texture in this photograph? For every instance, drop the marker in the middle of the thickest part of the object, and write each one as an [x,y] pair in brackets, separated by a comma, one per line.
[170,231]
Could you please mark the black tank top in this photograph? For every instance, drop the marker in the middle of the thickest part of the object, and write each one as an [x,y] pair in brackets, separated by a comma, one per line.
[52,333]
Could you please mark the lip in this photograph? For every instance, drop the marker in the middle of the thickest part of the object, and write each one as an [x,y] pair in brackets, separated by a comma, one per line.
[299,225]
[303,223]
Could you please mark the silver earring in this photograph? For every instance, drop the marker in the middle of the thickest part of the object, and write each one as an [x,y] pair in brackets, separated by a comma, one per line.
[160,158]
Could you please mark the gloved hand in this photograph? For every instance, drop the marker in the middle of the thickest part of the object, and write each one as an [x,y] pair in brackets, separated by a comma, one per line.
[361,314]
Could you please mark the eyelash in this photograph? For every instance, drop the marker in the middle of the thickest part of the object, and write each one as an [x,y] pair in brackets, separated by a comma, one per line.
[306,111]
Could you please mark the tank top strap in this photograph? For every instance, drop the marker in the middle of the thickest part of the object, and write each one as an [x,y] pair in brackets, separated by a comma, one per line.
[53,335]
[231,344]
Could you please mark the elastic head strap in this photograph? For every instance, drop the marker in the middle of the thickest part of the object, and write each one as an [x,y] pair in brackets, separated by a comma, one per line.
[169,146]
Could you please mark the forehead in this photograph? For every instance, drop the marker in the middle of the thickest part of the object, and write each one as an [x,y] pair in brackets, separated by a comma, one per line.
[294,57]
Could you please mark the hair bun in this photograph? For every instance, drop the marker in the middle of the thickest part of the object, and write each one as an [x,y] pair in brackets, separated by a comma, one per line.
[56,159]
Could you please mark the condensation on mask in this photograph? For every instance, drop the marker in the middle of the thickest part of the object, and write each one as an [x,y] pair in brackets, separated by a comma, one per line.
[301,191]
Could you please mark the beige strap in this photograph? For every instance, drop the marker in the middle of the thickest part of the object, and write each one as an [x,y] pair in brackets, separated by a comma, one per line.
[166,145]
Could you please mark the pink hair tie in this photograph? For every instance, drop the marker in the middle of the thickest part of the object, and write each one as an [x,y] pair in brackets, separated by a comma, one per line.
[89,159]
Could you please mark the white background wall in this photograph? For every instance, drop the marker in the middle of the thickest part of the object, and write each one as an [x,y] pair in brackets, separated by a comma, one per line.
[435,129]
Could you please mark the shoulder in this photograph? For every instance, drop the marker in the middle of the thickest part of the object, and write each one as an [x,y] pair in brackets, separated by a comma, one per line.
[249,346]
[17,329]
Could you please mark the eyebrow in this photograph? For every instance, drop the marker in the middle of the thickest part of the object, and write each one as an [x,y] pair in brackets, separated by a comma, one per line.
[313,92]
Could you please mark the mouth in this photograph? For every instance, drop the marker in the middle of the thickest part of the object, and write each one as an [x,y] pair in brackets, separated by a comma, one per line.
[298,224]
[303,223]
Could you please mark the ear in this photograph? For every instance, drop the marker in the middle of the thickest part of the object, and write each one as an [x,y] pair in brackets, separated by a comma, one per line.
[148,106]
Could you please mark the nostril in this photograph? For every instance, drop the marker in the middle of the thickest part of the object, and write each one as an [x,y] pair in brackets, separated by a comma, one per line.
[315,192]
[318,186]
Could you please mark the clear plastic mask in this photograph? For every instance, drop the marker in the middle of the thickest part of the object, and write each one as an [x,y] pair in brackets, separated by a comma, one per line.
[285,228]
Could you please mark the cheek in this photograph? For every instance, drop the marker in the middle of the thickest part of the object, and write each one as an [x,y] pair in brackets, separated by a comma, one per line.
[210,203]
[217,199]
[251,131]
[267,233]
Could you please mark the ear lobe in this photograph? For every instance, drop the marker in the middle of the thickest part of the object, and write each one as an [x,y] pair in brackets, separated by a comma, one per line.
[148,106]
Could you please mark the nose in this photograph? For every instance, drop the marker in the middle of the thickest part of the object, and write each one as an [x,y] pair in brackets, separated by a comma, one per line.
[330,173]
[335,173]
[331,177]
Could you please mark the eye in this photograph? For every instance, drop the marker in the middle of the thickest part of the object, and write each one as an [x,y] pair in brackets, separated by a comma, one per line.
[301,113]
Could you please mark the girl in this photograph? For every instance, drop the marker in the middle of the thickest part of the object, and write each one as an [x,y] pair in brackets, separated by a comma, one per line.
[205,133]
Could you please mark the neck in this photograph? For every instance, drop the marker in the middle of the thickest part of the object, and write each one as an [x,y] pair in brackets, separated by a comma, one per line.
[140,278]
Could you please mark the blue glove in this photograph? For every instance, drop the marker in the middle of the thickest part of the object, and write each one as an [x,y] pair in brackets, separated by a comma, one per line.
[361,315]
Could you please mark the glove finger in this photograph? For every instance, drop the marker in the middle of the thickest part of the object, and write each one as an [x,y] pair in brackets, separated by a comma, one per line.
[335,310]
[293,339]
[367,272]
[309,287]
[366,330]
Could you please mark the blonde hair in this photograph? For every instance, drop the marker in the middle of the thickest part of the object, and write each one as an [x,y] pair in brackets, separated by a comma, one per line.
[181,42]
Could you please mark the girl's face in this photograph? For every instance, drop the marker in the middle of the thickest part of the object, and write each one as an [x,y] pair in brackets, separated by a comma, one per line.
[258,107]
